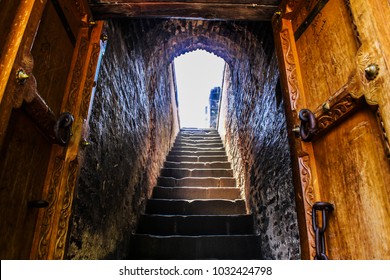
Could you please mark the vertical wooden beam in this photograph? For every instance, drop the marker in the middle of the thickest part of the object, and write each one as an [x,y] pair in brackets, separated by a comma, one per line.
[304,167]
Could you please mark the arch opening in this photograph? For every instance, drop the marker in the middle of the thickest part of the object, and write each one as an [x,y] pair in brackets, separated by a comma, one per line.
[197,74]
[134,124]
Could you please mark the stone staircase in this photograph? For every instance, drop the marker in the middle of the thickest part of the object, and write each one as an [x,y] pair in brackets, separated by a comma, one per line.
[196,211]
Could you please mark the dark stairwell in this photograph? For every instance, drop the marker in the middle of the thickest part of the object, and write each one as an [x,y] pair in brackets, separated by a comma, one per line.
[134,123]
[196,210]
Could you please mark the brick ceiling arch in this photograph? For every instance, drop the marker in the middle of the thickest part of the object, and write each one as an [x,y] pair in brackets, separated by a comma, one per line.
[228,40]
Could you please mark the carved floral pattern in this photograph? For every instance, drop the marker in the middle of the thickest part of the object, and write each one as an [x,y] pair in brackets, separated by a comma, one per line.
[338,110]
[66,210]
[309,198]
[77,74]
[52,196]
[290,68]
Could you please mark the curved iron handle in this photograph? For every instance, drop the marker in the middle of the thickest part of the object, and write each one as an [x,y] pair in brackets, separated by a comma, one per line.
[63,128]
[308,125]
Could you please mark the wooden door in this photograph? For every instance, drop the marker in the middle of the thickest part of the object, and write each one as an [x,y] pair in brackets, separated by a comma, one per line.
[334,59]
[48,63]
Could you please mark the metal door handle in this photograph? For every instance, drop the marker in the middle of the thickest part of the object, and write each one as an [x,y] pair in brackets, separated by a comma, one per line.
[308,126]
[63,128]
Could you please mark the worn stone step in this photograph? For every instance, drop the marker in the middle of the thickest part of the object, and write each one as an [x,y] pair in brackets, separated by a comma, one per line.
[198,133]
[196,158]
[188,145]
[197,130]
[186,172]
[198,165]
[196,182]
[200,140]
[195,225]
[196,193]
[197,153]
[204,139]
[198,143]
[179,142]
[197,149]
[195,207]
[239,247]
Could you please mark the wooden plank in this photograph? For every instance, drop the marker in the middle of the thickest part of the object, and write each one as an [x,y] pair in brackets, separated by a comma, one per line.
[216,11]
[327,72]
[354,175]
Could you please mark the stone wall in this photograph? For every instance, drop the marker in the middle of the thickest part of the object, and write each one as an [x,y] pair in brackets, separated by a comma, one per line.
[254,129]
[132,127]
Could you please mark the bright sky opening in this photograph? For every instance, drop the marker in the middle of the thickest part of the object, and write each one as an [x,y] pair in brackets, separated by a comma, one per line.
[196,74]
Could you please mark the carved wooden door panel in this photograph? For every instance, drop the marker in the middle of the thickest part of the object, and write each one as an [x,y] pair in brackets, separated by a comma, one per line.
[334,57]
[48,63]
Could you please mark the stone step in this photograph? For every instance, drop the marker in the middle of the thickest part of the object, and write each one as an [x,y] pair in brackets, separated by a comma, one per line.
[210,135]
[188,145]
[196,182]
[199,132]
[196,193]
[195,225]
[195,207]
[197,153]
[196,158]
[239,247]
[186,172]
[198,165]
[197,142]
[204,139]
[197,149]
[204,135]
